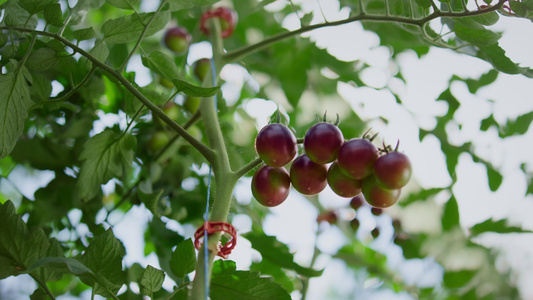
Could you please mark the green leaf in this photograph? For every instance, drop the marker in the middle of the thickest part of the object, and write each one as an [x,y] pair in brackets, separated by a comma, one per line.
[62,265]
[195,91]
[6,166]
[161,64]
[227,283]
[183,259]
[14,15]
[124,4]
[3,39]
[148,197]
[517,127]
[105,155]
[14,104]
[176,5]
[53,14]
[500,226]
[519,8]
[476,36]
[424,3]
[494,177]
[20,247]
[42,59]
[496,56]
[487,19]
[151,280]
[458,279]
[13,234]
[35,6]
[278,253]
[128,28]
[484,80]
[450,217]
[104,257]
[84,34]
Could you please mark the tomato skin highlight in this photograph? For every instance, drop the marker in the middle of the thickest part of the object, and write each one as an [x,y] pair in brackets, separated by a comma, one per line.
[393,170]
[276,145]
[270,185]
[322,142]
[357,157]
[377,195]
[342,184]
[308,177]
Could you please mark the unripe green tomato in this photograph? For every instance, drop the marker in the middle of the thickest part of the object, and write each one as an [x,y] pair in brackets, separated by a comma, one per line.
[191,104]
[201,68]
[177,39]
[158,140]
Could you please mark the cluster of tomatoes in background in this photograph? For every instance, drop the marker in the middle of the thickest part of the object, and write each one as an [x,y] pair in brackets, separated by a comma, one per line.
[351,168]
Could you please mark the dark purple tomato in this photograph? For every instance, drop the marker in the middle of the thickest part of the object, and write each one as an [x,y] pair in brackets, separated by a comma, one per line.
[276,145]
[327,216]
[357,201]
[322,142]
[393,170]
[377,195]
[342,184]
[354,224]
[271,186]
[308,177]
[177,39]
[357,157]
[376,211]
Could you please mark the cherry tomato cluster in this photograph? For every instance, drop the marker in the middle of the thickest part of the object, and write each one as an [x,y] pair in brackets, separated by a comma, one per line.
[351,168]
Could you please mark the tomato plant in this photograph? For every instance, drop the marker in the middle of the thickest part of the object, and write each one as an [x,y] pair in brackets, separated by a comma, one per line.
[87,168]
[308,177]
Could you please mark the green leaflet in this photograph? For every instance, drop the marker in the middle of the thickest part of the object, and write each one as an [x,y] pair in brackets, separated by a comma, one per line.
[128,28]
[14,104]
[105,155]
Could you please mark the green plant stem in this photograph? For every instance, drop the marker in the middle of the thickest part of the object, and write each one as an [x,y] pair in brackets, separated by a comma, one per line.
[44,287]
[305,281]
[208,154]
[143,33]
[238,54]
[225,179]
[248,167]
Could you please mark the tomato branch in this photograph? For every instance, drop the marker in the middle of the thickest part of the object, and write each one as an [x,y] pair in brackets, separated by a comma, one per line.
[143,33]
[236,55]
[208,153]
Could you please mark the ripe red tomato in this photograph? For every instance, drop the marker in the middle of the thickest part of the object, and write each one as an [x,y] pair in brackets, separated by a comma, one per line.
[308,177]
[322,142]
[276,145]
[393,170]
[357,157]
[177,39]
[227,17]
[357,201]
[271,186]
[342,184]
[377,195]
